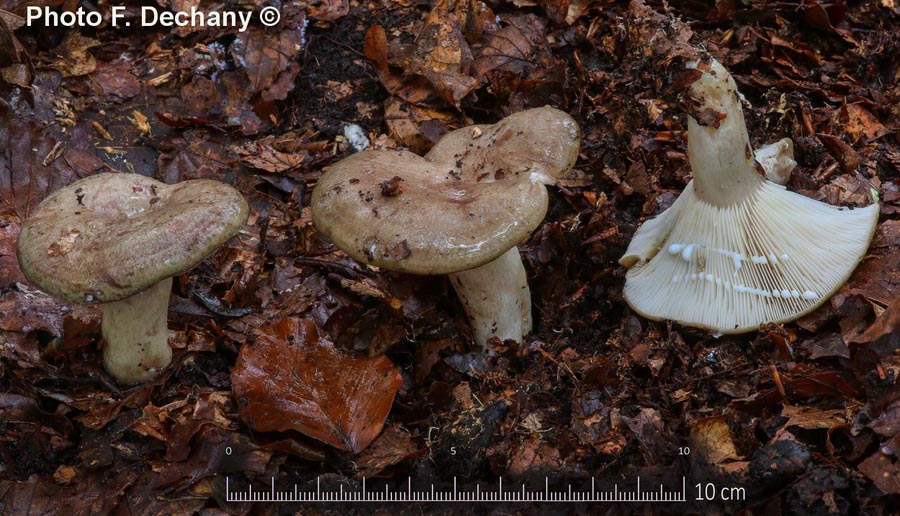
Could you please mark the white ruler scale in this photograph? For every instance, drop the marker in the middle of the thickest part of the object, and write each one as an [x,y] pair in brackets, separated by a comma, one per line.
[634,494]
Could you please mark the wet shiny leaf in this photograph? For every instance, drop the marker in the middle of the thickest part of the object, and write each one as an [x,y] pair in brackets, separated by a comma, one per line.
[290,380]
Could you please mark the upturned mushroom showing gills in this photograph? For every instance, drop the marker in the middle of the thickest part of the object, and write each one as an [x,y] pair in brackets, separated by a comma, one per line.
[736,250]
[460,210]
[117,240]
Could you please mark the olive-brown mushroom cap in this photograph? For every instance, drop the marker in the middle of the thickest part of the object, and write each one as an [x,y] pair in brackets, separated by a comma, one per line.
[109,236]
[434,225]
[479,192]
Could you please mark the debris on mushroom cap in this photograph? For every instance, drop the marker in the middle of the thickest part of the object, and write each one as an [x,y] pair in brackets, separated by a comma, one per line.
[479,192]
[109,236]
[730,259]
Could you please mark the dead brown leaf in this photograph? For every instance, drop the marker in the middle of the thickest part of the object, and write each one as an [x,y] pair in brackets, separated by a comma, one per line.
[877,279]
[290,380]
[236,107]
[25,179]
[711,438]
[375,48]
[269,58]
[76,59]
[394,445]
[887,324]
[25,310]
[13,21]
[809,418]
[263,156]
[9,234]
[442,55]
[883,471]
[859,121]
[17,74]
[418,128]
[804,381]
[648,427]
[216,451]
[533,455]
[201,95]
[115,79]
[328,10]
[511,49]
[194,158]
[36,495]
[565,11]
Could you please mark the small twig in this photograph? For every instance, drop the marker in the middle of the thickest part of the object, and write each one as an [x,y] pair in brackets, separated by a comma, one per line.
[776,377]
[556,362]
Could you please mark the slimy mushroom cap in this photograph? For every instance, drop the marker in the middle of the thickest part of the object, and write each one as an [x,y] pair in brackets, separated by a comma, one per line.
[429,224]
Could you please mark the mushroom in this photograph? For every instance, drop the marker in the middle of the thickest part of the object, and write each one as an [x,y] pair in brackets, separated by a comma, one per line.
[117,240]
[736,250]
[460,210]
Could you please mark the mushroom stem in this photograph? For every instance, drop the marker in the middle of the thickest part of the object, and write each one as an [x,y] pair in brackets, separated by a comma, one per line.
[496,298]
[136,333]
[718,144]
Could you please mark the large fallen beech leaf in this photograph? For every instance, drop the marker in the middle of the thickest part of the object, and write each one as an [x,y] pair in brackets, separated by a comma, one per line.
[290,380]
